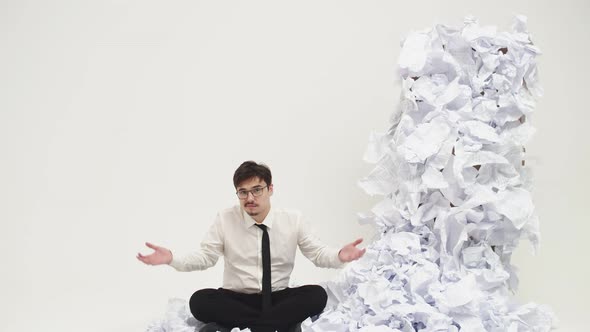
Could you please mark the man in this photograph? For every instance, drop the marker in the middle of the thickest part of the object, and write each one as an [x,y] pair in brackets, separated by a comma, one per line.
[258,244]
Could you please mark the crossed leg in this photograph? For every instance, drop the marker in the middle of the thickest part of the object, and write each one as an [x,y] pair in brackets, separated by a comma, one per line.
[229,308]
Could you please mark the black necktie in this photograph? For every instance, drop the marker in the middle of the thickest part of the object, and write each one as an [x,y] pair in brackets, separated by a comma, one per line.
[266,287]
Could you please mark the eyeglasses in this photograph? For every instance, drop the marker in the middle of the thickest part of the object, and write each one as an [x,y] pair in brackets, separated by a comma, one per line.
[256,192]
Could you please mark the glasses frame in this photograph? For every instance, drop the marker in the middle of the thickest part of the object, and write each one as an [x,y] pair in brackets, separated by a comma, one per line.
[251,191]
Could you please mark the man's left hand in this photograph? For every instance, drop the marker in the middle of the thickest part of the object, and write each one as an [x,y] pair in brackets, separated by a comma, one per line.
[350,252]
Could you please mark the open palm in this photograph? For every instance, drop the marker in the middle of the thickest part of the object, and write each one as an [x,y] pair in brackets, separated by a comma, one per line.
[161,255]
[350,252]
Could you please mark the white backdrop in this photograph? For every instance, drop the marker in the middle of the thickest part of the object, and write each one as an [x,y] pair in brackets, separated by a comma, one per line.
[122,122]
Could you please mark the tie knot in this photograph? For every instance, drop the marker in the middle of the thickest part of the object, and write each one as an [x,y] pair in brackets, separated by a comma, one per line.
[263,227]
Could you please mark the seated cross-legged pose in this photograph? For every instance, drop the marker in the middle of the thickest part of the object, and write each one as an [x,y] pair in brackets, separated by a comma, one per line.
[259,245]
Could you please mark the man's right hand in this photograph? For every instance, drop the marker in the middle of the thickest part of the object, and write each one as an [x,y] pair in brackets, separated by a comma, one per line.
[160,256]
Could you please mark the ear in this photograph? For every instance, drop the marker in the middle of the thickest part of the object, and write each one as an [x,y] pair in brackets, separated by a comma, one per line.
[271,189]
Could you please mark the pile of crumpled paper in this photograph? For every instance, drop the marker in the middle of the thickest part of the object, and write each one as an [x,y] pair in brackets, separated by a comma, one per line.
[456,192]
[456,189]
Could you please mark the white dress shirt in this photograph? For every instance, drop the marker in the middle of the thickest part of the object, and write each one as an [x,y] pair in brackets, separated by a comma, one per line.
[234,236]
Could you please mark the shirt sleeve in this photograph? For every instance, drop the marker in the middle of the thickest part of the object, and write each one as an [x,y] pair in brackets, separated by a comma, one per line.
[314,249]
[210,250]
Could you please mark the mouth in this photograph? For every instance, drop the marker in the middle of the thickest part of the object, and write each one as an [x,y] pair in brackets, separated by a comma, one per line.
[251,205]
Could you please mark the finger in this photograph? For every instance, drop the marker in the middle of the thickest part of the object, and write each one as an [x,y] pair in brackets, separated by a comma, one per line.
[153,246]
[142,259]
[144,256]
[357,241]
[359,253]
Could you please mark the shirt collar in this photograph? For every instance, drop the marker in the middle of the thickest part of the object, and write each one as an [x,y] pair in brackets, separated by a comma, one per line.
[251,222]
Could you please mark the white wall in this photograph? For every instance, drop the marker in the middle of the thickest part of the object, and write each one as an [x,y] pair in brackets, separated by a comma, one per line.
[122,122]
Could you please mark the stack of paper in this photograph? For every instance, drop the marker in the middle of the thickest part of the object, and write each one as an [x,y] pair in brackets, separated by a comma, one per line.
[456,192]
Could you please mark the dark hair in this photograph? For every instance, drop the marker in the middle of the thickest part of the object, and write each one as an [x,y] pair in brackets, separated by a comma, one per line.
[250,169]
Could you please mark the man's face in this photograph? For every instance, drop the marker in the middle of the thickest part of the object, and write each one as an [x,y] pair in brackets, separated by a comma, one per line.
[255,205]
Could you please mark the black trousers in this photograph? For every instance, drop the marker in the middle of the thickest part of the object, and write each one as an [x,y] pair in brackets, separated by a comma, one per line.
[232,309]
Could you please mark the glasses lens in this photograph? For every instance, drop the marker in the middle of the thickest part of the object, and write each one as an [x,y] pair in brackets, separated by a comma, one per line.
[255,192]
